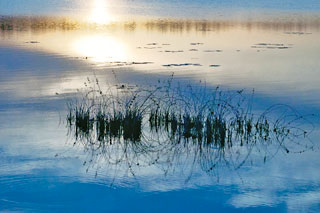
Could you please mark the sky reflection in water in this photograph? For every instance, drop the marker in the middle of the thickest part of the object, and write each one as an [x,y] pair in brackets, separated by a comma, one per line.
[41,70]
[262,53]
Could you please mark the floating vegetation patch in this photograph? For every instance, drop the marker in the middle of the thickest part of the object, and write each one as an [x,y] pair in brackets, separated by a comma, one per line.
[196,44]
[173,51]
[125,63]
[212,51]
[271,46]
[181,65]
[119,63]
[190,126]
[150,48]
[32,42]
[297,33]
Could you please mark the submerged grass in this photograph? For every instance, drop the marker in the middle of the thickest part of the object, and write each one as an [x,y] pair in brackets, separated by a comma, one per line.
[164,122]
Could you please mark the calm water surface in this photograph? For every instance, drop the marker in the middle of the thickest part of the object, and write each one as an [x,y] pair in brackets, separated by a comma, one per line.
[43,167]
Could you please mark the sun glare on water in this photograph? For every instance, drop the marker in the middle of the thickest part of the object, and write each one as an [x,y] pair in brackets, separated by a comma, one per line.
[100,48]
[99,13]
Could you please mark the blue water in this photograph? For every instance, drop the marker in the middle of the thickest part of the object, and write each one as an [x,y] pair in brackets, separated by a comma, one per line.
[43,168]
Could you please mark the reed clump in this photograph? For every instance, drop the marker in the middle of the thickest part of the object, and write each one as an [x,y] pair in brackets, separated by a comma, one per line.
[168,123]
[208,116]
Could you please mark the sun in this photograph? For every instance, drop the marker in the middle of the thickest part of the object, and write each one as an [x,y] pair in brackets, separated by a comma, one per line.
[99,13]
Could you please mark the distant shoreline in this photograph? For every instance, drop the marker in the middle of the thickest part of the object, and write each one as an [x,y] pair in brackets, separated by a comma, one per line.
[296,24]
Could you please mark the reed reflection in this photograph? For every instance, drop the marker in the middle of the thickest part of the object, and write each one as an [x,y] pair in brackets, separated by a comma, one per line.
[174,128]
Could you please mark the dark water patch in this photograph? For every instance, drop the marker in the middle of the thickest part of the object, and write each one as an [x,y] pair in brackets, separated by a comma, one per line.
[193,50]
[214,65]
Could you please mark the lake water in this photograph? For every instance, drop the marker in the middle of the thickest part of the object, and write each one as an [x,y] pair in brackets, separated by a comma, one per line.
[46,62]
